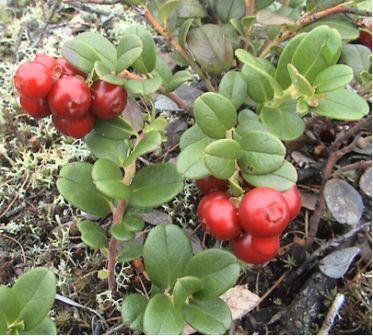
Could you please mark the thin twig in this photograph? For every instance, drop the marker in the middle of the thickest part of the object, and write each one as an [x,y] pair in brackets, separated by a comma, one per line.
[332,313]
[334,155]
[18,243]
[353,166]
[303,21]
[250,5]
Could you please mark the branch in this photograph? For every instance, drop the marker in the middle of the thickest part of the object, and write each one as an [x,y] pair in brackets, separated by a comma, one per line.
[332,313]
[173,96]
[304,21]
[353,166]
[250,5]
[334,155]
[117,219]
[175,44]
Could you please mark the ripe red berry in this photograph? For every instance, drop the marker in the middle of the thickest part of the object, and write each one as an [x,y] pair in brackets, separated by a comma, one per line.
[264,212]
[365,37]
[68,69]
[77,128]
[294,200]
[108,100]
[69,98]
[51,64]
[206,200]
[37,108]
[33,80]
[211,183]
[219,217]
[255,250]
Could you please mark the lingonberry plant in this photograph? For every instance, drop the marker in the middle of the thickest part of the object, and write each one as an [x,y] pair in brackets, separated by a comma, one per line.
[259,92]
[25,307]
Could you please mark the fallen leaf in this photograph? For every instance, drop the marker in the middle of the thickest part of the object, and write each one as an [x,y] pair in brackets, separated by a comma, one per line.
[343,201]
[133,114]
[156,217]
[336,264]
[240,301]
[366,182]
[309,199]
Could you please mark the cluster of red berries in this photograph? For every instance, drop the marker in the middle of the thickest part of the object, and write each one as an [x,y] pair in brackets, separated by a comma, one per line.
[49,85]
[254,228]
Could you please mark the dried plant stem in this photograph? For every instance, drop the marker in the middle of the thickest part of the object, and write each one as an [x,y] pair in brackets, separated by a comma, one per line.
[118,213]
[332,313]
[303,21]
[176,45]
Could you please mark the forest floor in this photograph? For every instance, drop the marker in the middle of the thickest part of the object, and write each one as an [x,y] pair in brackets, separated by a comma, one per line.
[37,226]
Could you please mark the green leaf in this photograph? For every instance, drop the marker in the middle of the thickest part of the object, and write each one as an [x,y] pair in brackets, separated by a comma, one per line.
[282,179]
[9,299]
[214,114]
[190,9]
[166,9]
[260,4]
[211,48]
[106,148]
[35,290]
[190,161]
[300,83]
[143,87]
[183,32]
[257,68]
[162,69]
[284,124]
[184,287]
[117,128]
[220,157]
[45,327]
[208,317]
[230,9]
[105,74]
[166,251]
[149,143]
[282,73]
[133,309]
[333,78]
[161,317]
[75,184]
[341,23]
[233,86]
[273,18]
[87,48]
[247,121]
[129,50]
[133,222]
[107,178]
[318,50]
[155,185]
[3,323]
[342,105]
[120,232]
[93,234]
[131,250]
[261,153]
[217,269]
[190,136]
[178,79]
[358,57]
[146,62]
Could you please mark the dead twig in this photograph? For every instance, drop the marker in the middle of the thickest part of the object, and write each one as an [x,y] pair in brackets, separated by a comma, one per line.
[353,166]
[332,313]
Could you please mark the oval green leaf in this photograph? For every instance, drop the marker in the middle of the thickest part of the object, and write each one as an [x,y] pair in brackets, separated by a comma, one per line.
[333,78]
[234,86]
[93,234]
[133,309]
[184,287]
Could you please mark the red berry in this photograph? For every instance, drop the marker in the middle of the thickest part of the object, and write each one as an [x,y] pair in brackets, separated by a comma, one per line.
[206,200]
[77,128]
[69,98]
[51,64]
[108,100]
[294,200]
[211,183]
[255,250]
[264,212]
[366,38]
[37,108]
[33,80]
[219,217]
[68,69]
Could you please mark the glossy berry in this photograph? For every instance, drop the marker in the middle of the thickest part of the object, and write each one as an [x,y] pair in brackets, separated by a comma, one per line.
[33,80]
[68,69]
[264,212]
[255,250]
[37,108]
[206,200]
[210,183]
[365,38]
[108,100]
[69,98]
[219,218]
[293,199]
[51,64]
[77,128]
